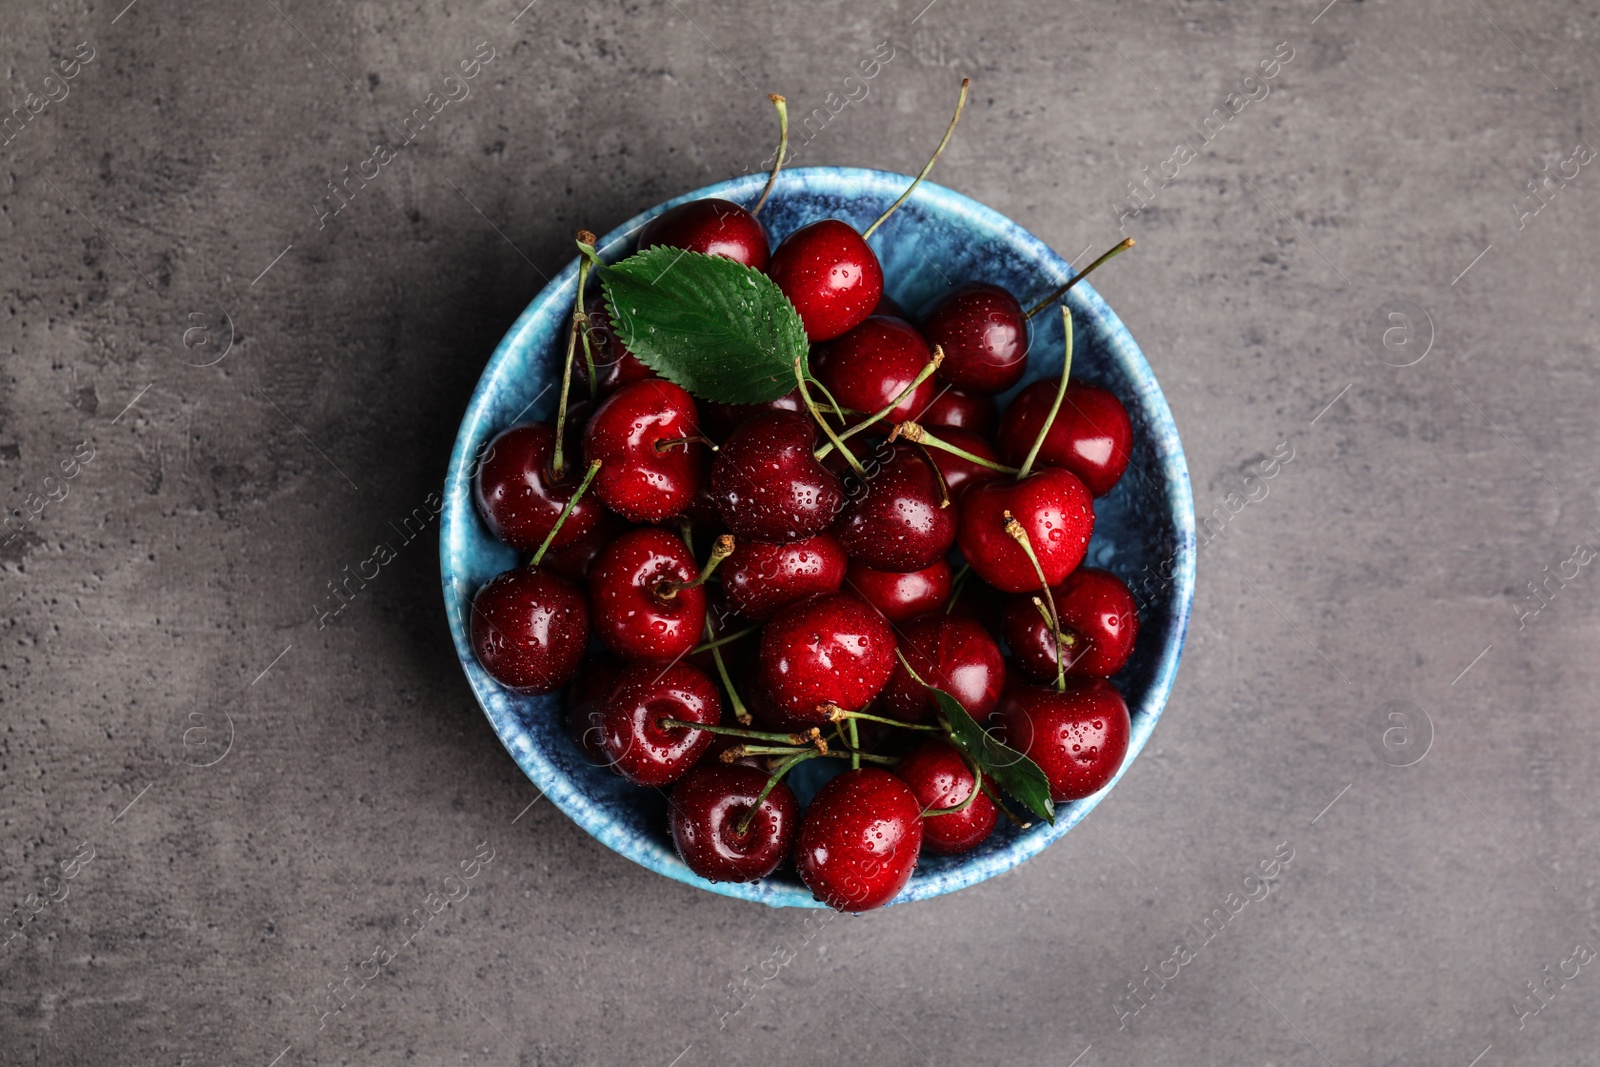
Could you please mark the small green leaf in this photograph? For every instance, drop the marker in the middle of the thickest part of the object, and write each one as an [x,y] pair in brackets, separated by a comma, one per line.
[1016,773]
[719,329]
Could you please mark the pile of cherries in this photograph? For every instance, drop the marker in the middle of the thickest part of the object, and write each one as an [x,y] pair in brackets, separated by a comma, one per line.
[827,608]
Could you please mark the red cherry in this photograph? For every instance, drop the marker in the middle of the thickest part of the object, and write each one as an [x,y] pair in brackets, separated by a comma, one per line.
[984,334]
[955,655]
[958,472]
[591,692]
[940,778]
[640,748]
[768,484]
[1078,738]
[961,411]
[859,840]
[614,365]
[1054,509]
[888,306]
[717,421]
[893,519]
[707,806]
[529,627]
[901,596]
[760,578]
[519,496]
[1091,435]
[873,363]
[650,471]
[831,649]
[574,560]
[715,227]
[636,609]
[830,275]
[1098,618]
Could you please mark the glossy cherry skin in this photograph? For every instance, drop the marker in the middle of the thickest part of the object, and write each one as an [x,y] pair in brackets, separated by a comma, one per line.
[717,421]
[1054,509]
[529,627]
[952,654]
[614,365]
[761,578]
[707,806]
[1091,435]
[632,614]
[519,496]
[638,746]
[591,692]
[639,478]
[873,363]
[859,840]
[940,778]
[830,275]
[984,335]
[893,520]
[831,649]
[768,484]
[1099,624]
[1078,738]
[901,595]
[713,226]
[959,472]
[954,409]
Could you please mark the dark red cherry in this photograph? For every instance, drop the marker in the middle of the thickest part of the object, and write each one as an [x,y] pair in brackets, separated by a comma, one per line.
[1091,435]
[961,411]
[650,470]
[591,692]
[959,472]
[644,751]
[529,627]
[940,778]
[888,306]
[707,806]
[614,365]
[715,227]
[831,649]
[873,363]
[574,560]
[1054,509]
[859,840]
[1099,624]
[768,484]
[1078,738]
[637,610]
[952,654]
[898,518]
[901,595]
[830,275]
[717,421]
[984,335]
[760,577]
[519,496]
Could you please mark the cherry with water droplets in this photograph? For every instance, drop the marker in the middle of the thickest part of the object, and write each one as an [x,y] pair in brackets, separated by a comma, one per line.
[713,226]
[956,410]
[941,778]
[1053,508]
[859,840]
[769,485]
[872,364]
[652,466]
[519,495]
[639,597]
[760,578]
[1078,737]
[901,595]
[984,334]
[958,471]
[717,421]
[614,364]
[830,275]
[636,741]
[834,649]
[953,654]
[898,518]
[1091,435]
[707,807]
[1099,624]
[528,629]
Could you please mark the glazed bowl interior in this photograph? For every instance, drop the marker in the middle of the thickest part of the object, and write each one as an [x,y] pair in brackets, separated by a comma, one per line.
[1144,529]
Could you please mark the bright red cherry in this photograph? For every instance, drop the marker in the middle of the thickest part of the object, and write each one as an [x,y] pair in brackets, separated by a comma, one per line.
[529,627]
[859,840]
[1091,435]
[638,600]
[614,365]
[873,363]
[940,777]
[1054,509]
[953,654]
[707,806]
[901,595]
[984,335]
[899,518]
[768,484]
[644,751]
[760,578]
[831,649]
[959,472]
[1099,624]
[830,275]
[961,411]
[715,227]
[591,692]
[1078,738]
[520,497]
[650,470]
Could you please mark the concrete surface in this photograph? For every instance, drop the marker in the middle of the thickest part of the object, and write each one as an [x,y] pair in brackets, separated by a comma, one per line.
[172,583]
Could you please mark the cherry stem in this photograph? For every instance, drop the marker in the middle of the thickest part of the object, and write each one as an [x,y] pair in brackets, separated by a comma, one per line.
[586,247]
[811,406]
[808,738]
[1061,393]
[918,434]
[783,147]
[910,669]
[957,584]
[855,747]
[1015,531]
[674,442]
[838,411]
[1061,643]
[961,102]
[922,376]
[838,714]
[1111,253]
[741,751]
[977,784]
[740,712]
[538,557]
[558,464]
[772,782]
[938,475]
[725,640]
[720,550]
[990,793]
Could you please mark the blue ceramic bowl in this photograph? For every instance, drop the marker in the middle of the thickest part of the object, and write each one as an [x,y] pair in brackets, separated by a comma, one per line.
[1144,530]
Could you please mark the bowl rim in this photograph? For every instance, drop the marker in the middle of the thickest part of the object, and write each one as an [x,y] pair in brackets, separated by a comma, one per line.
[459,514]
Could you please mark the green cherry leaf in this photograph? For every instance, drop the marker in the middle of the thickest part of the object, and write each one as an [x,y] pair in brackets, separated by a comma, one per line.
[1014,772]
[722,331]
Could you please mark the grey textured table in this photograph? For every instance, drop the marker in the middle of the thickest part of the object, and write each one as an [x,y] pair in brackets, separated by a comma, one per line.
[1370,684]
